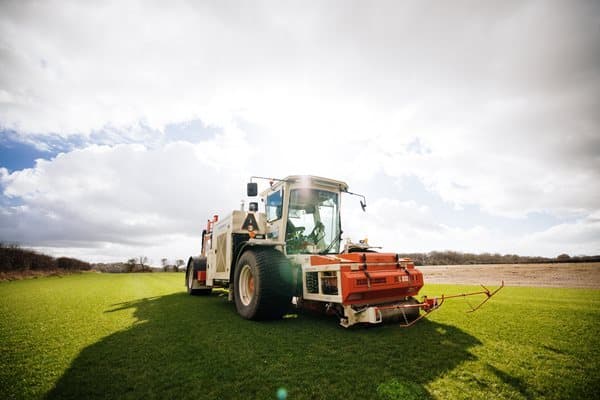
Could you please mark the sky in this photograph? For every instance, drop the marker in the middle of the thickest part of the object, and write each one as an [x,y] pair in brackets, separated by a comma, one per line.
[469,126]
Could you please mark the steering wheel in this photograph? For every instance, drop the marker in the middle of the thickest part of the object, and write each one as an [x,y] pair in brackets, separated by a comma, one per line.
[317,233]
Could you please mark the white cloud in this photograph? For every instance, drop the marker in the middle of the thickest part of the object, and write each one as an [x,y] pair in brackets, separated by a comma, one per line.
[405,226]
[125,195]
[578,238]
[493,105]
[408,227]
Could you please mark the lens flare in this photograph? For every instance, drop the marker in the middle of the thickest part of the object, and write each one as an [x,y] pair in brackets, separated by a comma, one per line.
[281,394]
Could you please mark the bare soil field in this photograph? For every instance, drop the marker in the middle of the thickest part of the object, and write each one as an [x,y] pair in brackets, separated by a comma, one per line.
[567,275]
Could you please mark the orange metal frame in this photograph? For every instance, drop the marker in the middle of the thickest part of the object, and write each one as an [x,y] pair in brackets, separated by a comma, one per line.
[380,278]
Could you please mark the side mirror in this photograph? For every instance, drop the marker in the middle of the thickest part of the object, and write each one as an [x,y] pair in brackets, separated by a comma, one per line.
[363,202]
[252,189]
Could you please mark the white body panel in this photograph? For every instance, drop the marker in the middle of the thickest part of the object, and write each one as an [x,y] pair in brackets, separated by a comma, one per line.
[324,272]
[219,254]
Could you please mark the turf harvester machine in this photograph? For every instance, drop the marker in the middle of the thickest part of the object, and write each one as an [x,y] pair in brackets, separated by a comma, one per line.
[290,255]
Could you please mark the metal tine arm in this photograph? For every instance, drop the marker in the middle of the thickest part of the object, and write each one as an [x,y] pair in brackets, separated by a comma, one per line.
[489,294]
[429,307]
[486,291]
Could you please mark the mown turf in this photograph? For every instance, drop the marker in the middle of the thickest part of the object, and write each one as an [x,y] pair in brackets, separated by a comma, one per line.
[133,336]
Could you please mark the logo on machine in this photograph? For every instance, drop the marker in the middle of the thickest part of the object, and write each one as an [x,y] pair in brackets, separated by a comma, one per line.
[250,223]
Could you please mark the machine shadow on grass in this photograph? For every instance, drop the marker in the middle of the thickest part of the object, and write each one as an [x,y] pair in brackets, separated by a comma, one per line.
[198,347]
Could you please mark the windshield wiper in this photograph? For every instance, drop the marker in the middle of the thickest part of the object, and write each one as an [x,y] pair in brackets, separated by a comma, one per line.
[333,242]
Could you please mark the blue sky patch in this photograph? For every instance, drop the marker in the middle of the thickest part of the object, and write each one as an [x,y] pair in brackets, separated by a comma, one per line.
[17,152]
[16,155]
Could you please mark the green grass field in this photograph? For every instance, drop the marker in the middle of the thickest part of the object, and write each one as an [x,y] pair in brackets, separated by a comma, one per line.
[133,336]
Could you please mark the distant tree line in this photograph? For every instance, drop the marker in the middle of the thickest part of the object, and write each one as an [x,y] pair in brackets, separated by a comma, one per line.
[458,258]
[138,264]
[134,264]
[15,258]
[167,266]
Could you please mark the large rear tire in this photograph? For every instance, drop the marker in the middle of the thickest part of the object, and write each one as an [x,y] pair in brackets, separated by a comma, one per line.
[263,284]
[195,265]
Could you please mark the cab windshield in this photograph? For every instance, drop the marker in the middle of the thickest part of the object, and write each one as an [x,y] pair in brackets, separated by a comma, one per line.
[313,222]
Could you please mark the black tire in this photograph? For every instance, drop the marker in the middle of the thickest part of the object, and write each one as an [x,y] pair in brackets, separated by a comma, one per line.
[263,284]
[195,265]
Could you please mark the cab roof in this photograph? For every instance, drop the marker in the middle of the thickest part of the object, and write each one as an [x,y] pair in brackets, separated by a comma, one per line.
[311,179]
[308,180]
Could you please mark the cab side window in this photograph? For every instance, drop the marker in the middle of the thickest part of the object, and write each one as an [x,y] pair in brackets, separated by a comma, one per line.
[274,207]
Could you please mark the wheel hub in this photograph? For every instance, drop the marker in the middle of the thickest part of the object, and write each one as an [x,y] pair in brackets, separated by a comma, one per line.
[246,289]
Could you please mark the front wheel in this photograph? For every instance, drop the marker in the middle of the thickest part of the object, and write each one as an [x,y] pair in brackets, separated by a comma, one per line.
[262,284]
